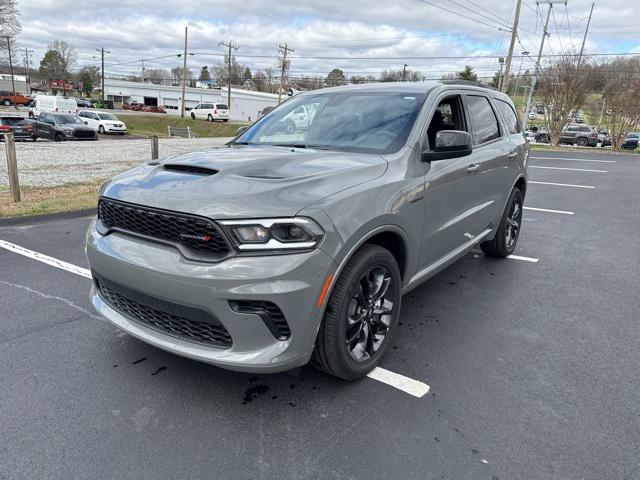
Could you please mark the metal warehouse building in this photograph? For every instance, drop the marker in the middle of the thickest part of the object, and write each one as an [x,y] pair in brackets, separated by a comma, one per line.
[245,104]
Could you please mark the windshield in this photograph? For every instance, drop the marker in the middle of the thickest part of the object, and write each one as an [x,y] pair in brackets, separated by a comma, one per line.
[67,119]
[107,116]
[350,121]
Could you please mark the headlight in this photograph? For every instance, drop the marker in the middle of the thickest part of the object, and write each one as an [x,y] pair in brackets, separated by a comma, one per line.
[274,233]
[68,131]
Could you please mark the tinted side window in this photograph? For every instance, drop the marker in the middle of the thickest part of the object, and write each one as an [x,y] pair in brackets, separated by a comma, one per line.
[509,115]
[484,123]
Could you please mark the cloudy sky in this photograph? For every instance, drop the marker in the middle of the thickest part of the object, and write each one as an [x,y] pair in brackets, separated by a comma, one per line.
[359,36]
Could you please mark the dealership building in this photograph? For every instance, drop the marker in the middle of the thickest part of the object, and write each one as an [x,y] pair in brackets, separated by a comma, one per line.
[245,104]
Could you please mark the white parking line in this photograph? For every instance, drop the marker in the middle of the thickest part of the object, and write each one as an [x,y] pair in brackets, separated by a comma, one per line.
[561,184]
[573,159]
[535,209]
[524,259]
[569,169]
[54,262]
[408,385]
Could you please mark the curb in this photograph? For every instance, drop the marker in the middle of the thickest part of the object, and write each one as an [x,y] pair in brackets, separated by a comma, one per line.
[47,217]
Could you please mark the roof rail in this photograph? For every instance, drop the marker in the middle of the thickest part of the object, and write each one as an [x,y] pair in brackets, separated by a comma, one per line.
[473,83]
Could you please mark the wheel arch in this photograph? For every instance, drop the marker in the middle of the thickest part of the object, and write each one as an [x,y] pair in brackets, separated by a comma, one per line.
[391,237]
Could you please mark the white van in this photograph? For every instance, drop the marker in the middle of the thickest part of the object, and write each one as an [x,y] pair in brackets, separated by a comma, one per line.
[53,104]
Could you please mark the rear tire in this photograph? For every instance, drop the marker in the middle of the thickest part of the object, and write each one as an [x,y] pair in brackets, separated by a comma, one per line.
[361,315]
[210,118]
[6,102]
[582,142]
[506,238]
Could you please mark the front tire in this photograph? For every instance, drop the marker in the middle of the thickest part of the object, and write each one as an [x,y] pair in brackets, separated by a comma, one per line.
[361,315]
[193,116]
[506,238]
[582,142]
[58,138]
[101,130]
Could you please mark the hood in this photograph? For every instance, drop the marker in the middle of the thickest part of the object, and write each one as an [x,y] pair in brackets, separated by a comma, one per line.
[244,181]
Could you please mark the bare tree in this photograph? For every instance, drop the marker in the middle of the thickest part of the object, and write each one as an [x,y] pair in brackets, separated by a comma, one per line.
[9,27]
[156,75]
[622,98]
[396,75]
[563,90]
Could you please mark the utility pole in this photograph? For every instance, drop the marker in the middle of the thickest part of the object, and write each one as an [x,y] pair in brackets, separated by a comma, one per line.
[184,72]
[284,49]
[27,64]
[584,39]
[230,45]
[404,72]
[534,80]
[102,52]
[13,83]
[514,35]
[142,60]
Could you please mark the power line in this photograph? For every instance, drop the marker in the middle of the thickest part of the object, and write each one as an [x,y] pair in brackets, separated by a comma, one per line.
[458,14]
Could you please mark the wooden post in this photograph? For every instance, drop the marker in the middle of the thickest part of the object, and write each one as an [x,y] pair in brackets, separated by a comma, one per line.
[12,166]
[154,148]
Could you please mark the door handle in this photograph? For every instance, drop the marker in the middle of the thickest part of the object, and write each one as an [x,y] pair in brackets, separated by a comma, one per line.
[513,155]
[473,168]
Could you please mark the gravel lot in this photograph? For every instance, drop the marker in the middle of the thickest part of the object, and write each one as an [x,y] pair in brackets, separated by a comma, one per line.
[48,164]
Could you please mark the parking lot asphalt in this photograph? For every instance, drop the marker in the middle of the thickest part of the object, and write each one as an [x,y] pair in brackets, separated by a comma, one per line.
[533,366]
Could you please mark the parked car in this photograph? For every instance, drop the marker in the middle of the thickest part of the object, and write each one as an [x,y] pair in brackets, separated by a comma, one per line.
[135,107]
[103,122]
[541,136]
[7,98]
[62,126]
[259,259]
[154,109]
[211,112]
[540,110]
[532,115]
[21,128]
[84,103]
[580,135]
[265,110]
[53,104]
[631,141]
[604,139]
[105,104]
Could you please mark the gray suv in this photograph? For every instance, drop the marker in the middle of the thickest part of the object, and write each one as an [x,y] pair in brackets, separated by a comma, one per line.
[290,245]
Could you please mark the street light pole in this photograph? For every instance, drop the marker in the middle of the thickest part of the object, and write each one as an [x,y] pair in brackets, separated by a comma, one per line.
[13,83]
[102,52]
[404,72]
[184,72]
[534,80]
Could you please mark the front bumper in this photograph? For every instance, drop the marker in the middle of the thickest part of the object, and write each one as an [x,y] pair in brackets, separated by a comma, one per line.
[112,129]
[293,282]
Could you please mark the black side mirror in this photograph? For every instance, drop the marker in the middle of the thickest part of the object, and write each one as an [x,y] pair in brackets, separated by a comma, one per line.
[241,130]
[449,144]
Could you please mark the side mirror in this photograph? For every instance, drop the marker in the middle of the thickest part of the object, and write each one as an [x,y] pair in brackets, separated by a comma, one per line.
[241,130]
[86,123]
[449,144]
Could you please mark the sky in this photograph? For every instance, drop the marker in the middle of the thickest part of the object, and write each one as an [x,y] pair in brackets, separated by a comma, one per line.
[360,37]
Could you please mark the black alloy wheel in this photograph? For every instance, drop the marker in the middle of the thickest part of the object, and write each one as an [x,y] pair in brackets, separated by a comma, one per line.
[361,314]
[369,314]
[506,237]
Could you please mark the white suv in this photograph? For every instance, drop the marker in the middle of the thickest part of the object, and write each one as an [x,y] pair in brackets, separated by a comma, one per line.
[211,112]
[103,122]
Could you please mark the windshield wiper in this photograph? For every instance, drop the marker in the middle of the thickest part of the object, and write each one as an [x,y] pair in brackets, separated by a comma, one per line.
[302,145]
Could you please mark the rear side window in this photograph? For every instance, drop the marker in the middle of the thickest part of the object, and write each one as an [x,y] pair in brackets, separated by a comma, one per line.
[222,106]
[509,115]
[484,123]
[13,121]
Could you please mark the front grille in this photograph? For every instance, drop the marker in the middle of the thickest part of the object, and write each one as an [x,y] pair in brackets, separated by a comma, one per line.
[84,134]
[187,323]
[199,236]
[269,312]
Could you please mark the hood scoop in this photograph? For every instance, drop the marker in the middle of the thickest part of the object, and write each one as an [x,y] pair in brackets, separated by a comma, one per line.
[190,169]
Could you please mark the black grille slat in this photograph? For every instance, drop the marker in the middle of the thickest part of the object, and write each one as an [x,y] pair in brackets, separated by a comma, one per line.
[210,333]
[197,234]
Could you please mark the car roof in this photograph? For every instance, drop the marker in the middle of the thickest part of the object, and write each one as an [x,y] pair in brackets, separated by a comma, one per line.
[413,87]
